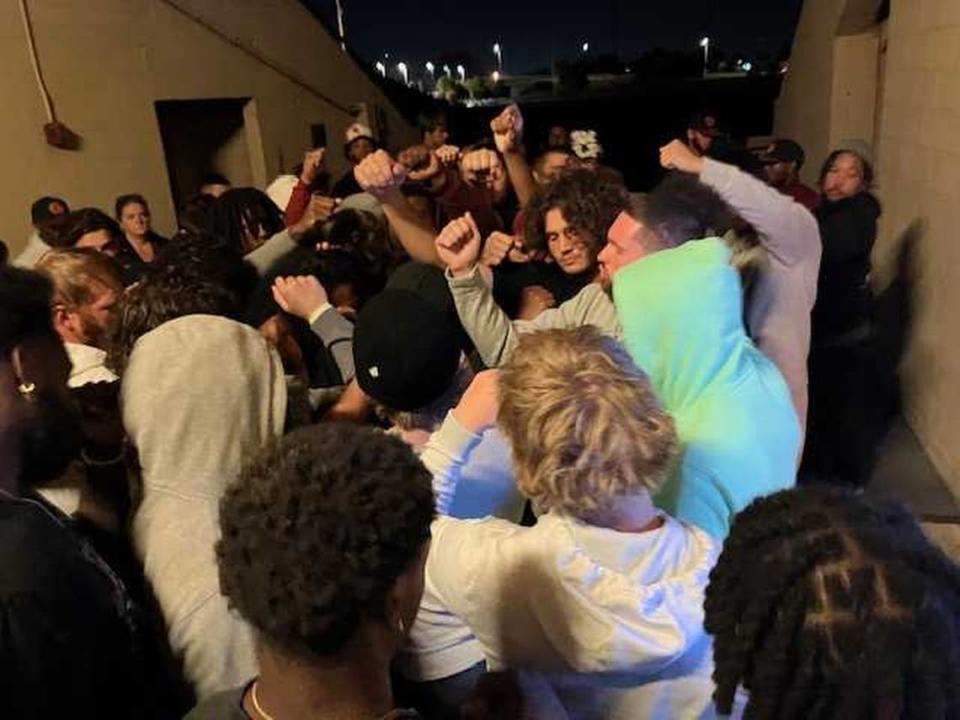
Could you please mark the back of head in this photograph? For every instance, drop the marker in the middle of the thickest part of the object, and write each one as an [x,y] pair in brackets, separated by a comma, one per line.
[583,422]
[405,349]
[80,275]
[47,207]
[24,308]
[681,208]
[589,202]
[825,604]
[316,533]
[168,291]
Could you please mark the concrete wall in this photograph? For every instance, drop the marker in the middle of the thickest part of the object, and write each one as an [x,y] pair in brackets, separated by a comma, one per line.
[897,85]
[919,181]
[107,61]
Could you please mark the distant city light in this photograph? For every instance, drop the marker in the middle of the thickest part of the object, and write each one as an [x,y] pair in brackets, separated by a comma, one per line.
[498,51]
[462,72]
[431,68]
[446,71]
[585,47]
[381,68]
[704,42]
[402,68]
[495,76]
[747,66]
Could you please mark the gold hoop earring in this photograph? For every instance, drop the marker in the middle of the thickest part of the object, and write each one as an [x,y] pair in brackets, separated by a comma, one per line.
[28,391]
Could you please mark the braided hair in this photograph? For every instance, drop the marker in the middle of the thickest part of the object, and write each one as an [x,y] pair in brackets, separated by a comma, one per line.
[825,604]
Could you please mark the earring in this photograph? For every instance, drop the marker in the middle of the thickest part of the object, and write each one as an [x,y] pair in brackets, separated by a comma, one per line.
[28,390]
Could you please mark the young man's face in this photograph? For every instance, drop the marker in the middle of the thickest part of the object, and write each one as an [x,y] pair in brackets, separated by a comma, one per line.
[569,247]
[88,324]
[624,246]
[99,240]
[359,149]
[779,173]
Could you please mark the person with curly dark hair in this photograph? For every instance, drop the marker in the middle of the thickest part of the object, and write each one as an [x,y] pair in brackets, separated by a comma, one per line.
[324,540]
[826,604]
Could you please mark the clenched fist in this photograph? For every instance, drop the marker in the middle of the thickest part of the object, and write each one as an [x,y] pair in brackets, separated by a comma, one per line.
[312,164]
[300,296]
[448,154]
[379,174]
[458,245]
[483,168]
[677,156]
[507,129]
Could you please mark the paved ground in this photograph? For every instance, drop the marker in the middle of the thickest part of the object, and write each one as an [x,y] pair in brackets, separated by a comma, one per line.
[906,473]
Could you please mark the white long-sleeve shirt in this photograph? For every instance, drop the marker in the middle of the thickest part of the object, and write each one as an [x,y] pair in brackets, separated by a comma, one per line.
[565,597]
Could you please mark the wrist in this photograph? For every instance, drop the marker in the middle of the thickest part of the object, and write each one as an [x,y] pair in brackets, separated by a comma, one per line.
[463,271]
[314,315]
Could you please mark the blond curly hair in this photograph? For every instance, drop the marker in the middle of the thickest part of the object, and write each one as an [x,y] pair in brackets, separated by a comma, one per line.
[583,421]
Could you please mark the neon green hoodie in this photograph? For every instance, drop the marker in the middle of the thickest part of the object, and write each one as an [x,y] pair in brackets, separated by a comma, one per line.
[682,316]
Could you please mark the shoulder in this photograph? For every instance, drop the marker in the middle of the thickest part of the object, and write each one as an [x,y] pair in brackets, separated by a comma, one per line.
[226,705]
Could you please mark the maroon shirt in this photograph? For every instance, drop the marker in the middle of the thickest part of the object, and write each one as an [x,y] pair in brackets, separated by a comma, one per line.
[804,195]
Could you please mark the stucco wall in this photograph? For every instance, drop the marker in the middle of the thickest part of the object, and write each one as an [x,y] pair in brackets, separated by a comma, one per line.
[107,61]
[919,181]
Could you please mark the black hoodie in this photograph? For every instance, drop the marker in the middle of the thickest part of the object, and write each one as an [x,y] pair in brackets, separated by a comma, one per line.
[848,229]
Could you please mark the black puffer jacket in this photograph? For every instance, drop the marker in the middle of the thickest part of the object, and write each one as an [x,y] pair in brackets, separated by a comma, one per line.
[848,230]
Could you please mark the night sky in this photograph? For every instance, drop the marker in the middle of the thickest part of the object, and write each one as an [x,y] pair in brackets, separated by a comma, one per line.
[534,33]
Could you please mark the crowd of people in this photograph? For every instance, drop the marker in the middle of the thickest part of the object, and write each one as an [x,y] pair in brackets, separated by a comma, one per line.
[468,432]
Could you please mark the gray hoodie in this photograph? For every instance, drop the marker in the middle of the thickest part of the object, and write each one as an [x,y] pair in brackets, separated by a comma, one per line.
[199,394]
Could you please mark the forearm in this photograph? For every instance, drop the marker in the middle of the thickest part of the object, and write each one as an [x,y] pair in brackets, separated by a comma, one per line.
[785,228]
[444,456]
[298,204]
[489,327]
[414,231]
[336,332]
[520,177]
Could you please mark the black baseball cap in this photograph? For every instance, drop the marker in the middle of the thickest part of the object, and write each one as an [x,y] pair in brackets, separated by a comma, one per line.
[783,150]
[705,122]
[47,207]
[405,349]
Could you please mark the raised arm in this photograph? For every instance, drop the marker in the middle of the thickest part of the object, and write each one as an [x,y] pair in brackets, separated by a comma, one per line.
[508,135]
[381,176]
[787,229]
[306,298]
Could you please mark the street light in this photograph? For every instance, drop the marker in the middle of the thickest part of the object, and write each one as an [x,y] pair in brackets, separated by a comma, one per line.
[495,76]
[431,68]
[381,68]
[585,47]
[402,67]
[446,71]
[462,72]
[498,51]
[705,44]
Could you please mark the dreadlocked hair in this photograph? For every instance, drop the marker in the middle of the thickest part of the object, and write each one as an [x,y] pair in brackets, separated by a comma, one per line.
[244,218]
[825,604]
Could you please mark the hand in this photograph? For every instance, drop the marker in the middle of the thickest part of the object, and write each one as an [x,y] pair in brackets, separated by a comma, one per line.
[507,129]
[421,164]
[677,156]
[458,245]
[482,168]
[276,331]
[312,162]
[479,405]
[299,296]
[319,210]
[497,248]
[533,301]
[448,154]
[380,175]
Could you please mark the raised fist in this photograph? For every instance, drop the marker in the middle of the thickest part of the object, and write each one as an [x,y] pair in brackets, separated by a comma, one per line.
[507,129]
[497,248]
[483,168]
[379,174]
[300,296]
[458,245]
[448,154]
[677,156]
[312,163]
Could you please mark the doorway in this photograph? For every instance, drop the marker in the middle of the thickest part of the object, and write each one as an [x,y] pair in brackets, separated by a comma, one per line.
[207,136]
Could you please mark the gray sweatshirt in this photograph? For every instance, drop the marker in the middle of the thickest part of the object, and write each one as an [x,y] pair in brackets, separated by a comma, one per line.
[199,394]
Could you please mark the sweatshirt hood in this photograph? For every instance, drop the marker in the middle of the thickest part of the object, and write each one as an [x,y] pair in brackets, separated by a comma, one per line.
[199,394]
[681,312]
